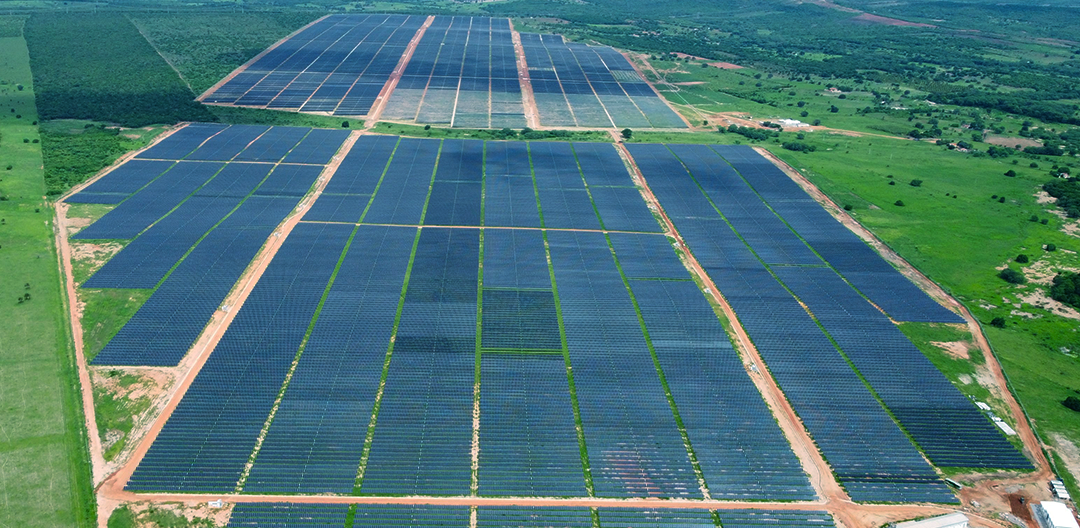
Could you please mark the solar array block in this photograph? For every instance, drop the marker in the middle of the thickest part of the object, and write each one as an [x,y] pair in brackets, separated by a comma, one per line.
[528,441]
[555,166]
[401,196]
[164,328]
[418,516]
[121,182]
[290,180]
[658,518]
[210,436]
[338,208]
[590,86]
[423,435]
[841,248]
[315,440]
[519,319]
[288,515]
[945,423]
[454,203]
[337,65]
[273,145]
[151,203]
[362,169]
[515,258]
[510,201]
[182,142]
[878,463]
[228,143]
[647,257]
[634,446]
[777,518]
[622,209]
[601,165]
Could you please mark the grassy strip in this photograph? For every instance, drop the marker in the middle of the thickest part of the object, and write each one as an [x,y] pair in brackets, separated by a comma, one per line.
[45,445]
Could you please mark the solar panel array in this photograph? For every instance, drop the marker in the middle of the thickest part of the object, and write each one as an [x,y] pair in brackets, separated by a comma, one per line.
[274,515]
[586,86]
[463,73]
[825,392]
[337,65]
[201,221]
[411,309]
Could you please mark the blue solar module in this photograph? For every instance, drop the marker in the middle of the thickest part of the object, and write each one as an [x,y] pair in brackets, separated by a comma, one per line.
[533,517]
[555,166]
[510,201]
[315,440]
[507,158]
[742,452]
[841,248]
[96,198]
[623,209]
[657,518]
[123,181]
[180,143]
[567,209]
[945,423]
[519,319]
[228,143]
[290,180]
[602,166]
[778,518]
[410,516]
[461,160]
[419,448]
[454,204]
[402,194]
[208,439]
[288,515]
[146,260]
[515,258]
[236,180]
[166,326]
[879,463]
[151,203]
[528,442]
[338,208]
[318,147]
[273,145]
[362,169]
[646,257]
[633,443]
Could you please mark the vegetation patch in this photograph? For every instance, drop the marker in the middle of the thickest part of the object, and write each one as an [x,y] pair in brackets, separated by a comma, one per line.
[105,312]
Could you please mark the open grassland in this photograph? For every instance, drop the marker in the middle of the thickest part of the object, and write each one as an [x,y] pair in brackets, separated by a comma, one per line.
[44,468]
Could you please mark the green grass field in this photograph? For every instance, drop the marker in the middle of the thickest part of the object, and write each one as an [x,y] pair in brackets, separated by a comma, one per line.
[43,450]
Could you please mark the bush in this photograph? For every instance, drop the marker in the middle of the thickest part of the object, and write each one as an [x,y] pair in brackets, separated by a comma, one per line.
[1012,276]
[1051,247]
[916,183]
[1072,403]
[1022,258]
[1066,289]
[848,207]
[899,203]
[627,133]
[798,146]
[998,322]
[1010,173]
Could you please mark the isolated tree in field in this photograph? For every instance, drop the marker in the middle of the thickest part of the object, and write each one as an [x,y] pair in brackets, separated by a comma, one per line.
[1010,173]
[916,183]
[898,203]
[998,322]
[1022,258]
[627,133]
[1012,276]
[1072,403]
[1066,289]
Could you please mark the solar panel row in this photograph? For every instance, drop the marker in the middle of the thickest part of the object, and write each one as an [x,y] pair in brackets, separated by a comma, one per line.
[578,85]
[208,439]
[869,453]
[337,65]
[275,515]
[463,73]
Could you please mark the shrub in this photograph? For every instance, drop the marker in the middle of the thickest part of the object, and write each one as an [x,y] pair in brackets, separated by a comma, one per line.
[798,146]
[1001,200]
[1010,173]
[1012,276]
[627,133]
[916,183]
[344,124]
[1072,403]
[998,322]
[899,203]
[1022,258]
[1066,289]
[1051,247]
[848,207]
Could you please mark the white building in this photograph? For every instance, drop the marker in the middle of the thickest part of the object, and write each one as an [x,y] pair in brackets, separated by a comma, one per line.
[952,520]
[1052,514]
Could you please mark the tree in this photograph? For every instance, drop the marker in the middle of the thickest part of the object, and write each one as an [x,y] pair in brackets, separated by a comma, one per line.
[916,183]
[627,133]
[1022,258]
[804,113]
[834,109]
[1066,289]
[1012,276]
[1051,247]
[898,203]
[998,322]
[1010,173]
[344,124]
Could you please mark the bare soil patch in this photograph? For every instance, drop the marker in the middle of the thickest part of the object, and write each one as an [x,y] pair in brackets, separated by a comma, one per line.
[1011,142]
[875,19]
[1068,451]
[1041,299]
[955,349]
[725,65]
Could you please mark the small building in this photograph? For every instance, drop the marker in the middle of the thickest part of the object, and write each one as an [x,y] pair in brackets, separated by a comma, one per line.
[952,520]
[1052,514]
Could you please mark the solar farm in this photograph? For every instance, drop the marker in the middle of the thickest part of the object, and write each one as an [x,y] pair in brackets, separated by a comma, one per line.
[457,71]
[369,317]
